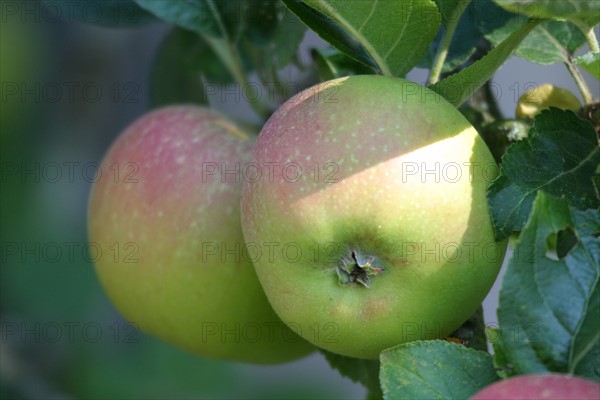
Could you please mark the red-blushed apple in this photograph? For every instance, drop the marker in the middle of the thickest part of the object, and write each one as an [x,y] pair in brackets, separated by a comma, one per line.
[165,216]
[369,196]
[541,387]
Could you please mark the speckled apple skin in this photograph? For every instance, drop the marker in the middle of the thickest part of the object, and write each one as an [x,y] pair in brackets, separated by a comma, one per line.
[541,387]
[161,211]
[371,127]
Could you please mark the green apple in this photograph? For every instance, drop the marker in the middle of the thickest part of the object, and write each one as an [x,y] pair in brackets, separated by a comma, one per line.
[541,387]
[165,233]
[369,197]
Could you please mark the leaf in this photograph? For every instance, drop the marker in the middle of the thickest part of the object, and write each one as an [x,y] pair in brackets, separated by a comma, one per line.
[509,205]
[549,307]
[447,9]
[275,30]
[490,18]
[109,13]
[463,45]
[387,35]
[472,332]
[559,157]
[177,71]
[197,16]
[501,363]
[573,10]
[434,369]
[549,43]
[363,371]
[458,87]
[590,62]
[242,34]
[332,64]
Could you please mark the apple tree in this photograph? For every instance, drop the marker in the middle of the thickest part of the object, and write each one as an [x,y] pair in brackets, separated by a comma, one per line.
[352,112]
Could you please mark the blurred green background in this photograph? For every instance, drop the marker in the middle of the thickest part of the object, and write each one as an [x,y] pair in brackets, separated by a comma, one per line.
[68,89]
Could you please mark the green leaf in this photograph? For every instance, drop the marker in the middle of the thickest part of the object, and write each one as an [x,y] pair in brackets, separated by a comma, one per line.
[197,16]
[463,45]
[501,363]
[332,64]
[510,206]
[489,18]
[434,369]
[590,62]
[573,10]
[559,157]
[549,43]
[549,306]
[262,30]
[109,13]
[391,36]
[458,87]
[363,371]
[272,38]
[273,34]
[447,9]
[177,72]
[472,331]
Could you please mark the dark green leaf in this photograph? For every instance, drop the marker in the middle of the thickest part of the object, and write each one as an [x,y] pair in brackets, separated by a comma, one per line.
[572,10]
[559,157]
[434,369]
[388,35]
[490,18]
[275,30]
[363,371]
[463,45]
[330,31]
[332,64]
[197,16]
[273,33]
[509,205]
[447,9]
[109,13]
[182,60]
[458,87]
[472,331]
[243,35]
[549,309]
[565,242]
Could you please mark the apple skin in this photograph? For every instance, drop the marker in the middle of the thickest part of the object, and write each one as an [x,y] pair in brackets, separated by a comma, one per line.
[541,387]
[359,132]
[171,223]
[534,101]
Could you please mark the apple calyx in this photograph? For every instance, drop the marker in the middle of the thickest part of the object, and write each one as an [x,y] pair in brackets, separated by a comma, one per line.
[357,268]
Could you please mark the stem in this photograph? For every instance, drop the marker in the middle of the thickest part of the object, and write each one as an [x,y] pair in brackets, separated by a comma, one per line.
[590,35]
[228,54]
[492,102]
[581,84]
[442,51]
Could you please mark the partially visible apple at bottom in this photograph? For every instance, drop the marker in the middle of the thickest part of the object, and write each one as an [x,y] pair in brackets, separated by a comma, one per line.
[541,387]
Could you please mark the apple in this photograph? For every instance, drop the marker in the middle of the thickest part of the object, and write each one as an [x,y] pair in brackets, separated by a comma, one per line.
[532,102]
[165,234]
[541,387]
[369,197]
